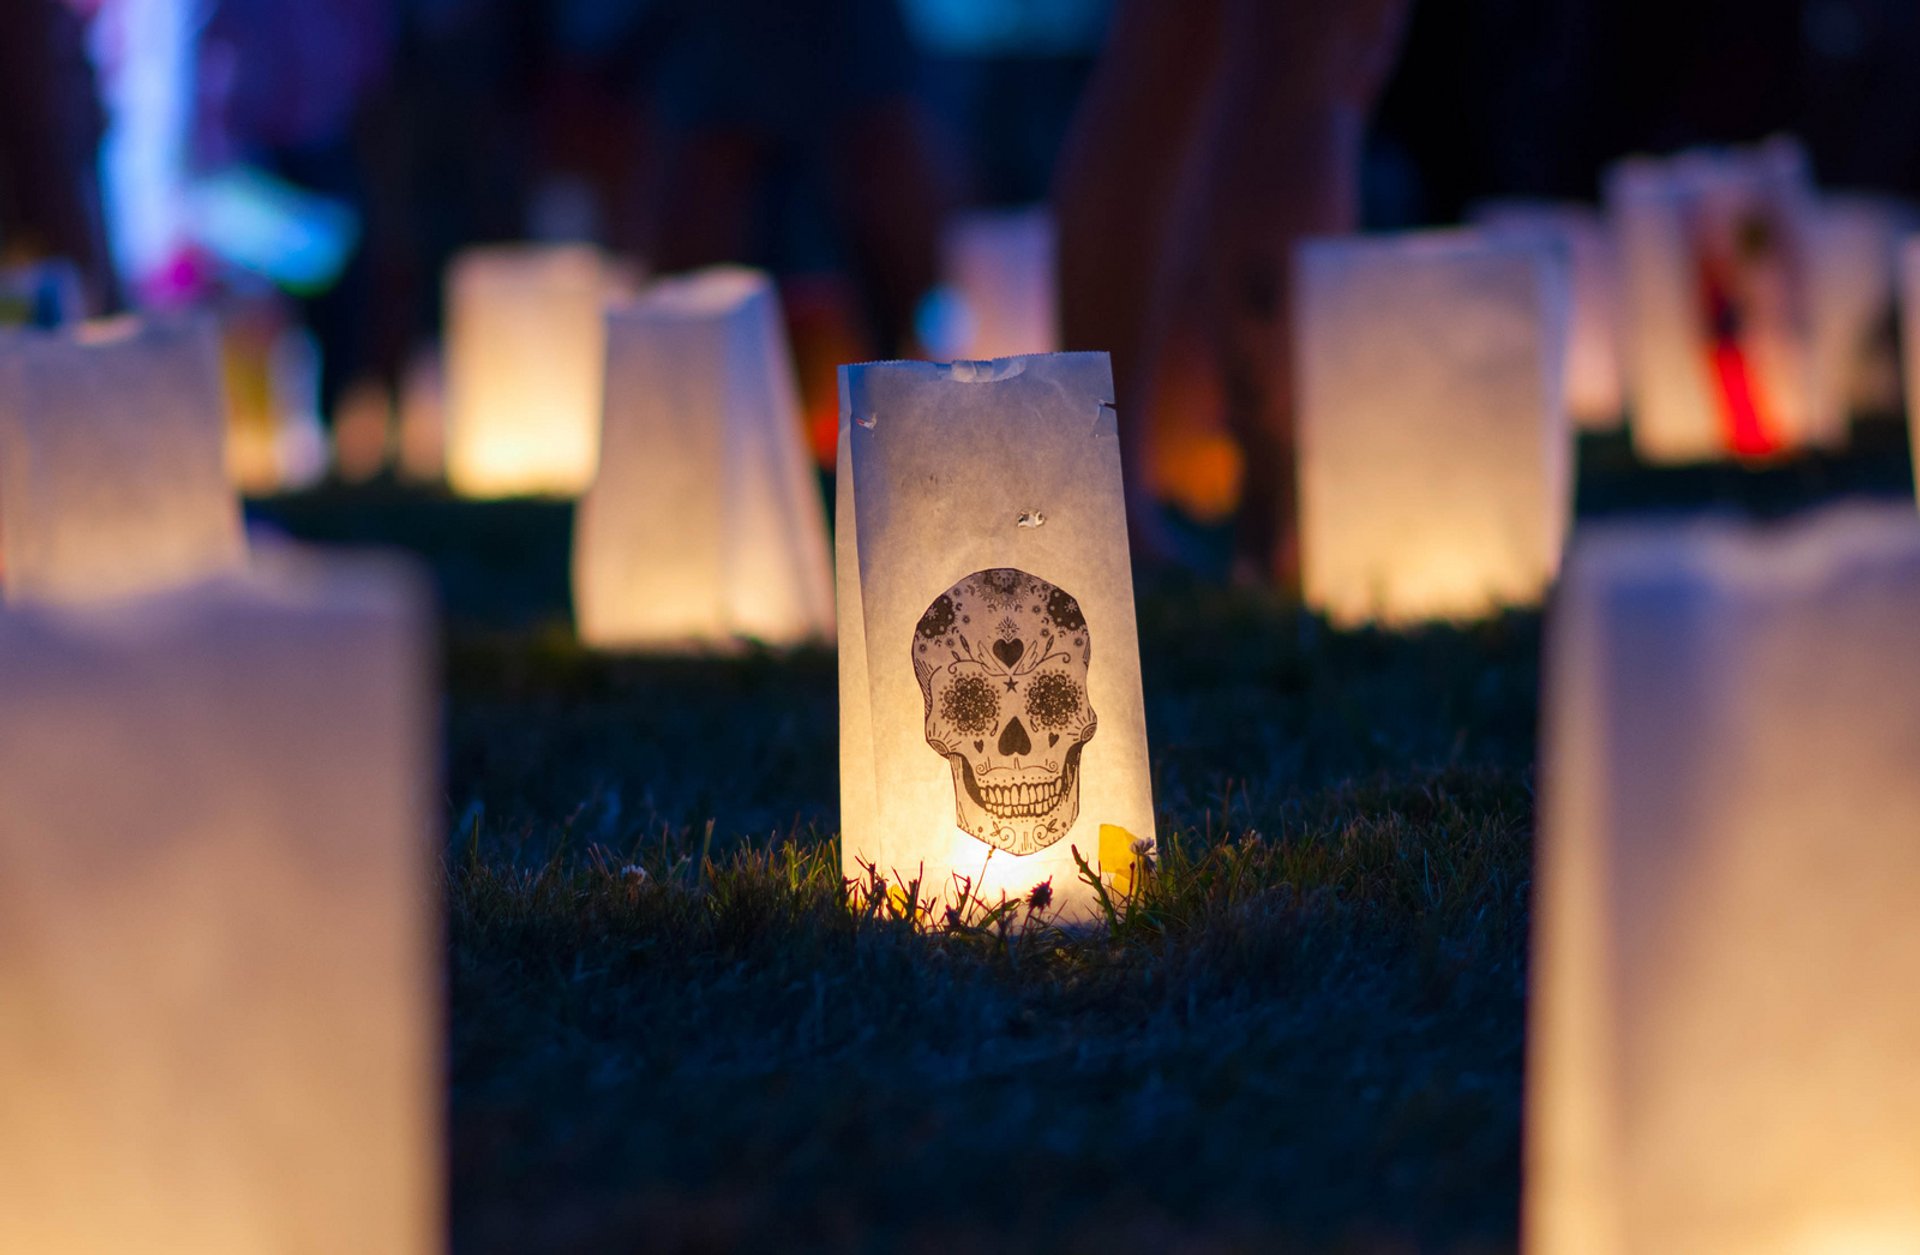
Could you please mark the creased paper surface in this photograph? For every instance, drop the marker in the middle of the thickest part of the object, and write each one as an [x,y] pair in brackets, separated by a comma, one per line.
[112,471]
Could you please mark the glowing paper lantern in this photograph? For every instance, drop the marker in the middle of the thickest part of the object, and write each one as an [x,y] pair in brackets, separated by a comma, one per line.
[525,350]
[1434,451]
[1910,342]
[991,719]
[1595,383]
[705,522]
[1857,248]
[1719,304]
[1722,1049]
[111,473]
[217,952]
[1001,275]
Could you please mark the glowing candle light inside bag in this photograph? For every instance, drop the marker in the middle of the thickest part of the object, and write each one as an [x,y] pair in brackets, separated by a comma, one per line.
[1721,1058]
[991,714]
[525,350]
[705,522]
[1434,452]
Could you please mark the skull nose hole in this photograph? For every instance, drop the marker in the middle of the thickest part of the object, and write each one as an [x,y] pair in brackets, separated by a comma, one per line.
[1014,742]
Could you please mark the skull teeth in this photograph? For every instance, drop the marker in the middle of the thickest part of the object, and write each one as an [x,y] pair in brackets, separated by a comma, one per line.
[1023,801]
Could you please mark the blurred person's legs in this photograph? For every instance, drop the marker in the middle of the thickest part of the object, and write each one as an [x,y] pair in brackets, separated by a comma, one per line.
[1113,201]
[706,206]
[1277,159]
[745,85]
[891,197]
[50,127]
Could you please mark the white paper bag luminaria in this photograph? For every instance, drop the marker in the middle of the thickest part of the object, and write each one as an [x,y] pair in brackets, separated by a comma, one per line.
[705,522]
[217,944]
[1002,275]
[112,472]
[1434,452]
[1909,279]
[1719,253]
[991,719]
[1721,1049]
[1857,258]
[525,351]
[1594,377]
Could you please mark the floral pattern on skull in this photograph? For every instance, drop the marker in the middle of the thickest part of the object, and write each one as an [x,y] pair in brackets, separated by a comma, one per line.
[1002,661]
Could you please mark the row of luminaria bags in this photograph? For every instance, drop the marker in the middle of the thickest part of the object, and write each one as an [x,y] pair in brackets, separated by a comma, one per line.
[218,958]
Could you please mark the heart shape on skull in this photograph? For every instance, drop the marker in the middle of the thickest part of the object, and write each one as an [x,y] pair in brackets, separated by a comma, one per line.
[999,653]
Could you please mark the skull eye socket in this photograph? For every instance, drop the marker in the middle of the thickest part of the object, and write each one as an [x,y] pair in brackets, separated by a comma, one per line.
[1054,699]
[971,705]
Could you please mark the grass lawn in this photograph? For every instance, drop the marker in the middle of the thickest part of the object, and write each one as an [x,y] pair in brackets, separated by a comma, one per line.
[1306,1034]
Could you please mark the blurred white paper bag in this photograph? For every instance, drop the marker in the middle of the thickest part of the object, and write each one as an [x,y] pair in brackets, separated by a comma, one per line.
[1721,1032]
[1719,303]
[524,355]
[112,471]
[1000,267]
[705,522]
[1435,456]
[991,711]
[218,950]
[1594,380]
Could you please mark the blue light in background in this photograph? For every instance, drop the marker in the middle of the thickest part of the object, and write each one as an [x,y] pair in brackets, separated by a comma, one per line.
[980,28]
[943,323]
[293,237]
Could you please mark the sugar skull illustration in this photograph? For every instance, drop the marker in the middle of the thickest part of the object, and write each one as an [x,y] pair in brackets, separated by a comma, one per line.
[1002,662]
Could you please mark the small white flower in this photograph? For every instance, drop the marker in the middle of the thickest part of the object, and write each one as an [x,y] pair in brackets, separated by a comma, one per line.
[635,870]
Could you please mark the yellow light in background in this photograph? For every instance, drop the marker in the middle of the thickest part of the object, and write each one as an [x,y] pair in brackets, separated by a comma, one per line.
[112,475]
[525,350]
[1434,452]
[1721,1045]
[363,431]
[990,703]
[218,956]
[705,523]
